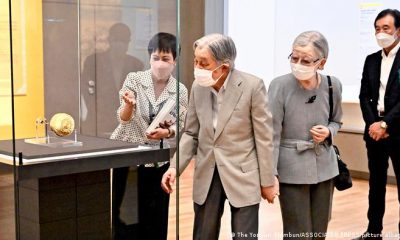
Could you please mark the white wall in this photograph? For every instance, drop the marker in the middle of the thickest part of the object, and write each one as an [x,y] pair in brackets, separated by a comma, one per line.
[251,24]
[264,30]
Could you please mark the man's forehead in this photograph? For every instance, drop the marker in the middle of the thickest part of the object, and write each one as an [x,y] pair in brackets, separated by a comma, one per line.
[386,20]
[202,52]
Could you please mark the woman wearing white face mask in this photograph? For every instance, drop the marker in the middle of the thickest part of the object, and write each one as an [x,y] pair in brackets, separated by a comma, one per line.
[142,96]
[303,133]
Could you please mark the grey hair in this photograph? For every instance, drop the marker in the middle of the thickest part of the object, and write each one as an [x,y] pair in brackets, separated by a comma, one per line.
[317,40]
[222,48]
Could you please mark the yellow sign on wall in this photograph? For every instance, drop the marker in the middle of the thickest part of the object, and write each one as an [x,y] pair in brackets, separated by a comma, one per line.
[28,67]
[19,49]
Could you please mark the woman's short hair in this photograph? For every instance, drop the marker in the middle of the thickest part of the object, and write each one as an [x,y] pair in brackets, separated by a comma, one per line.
[318,41]
[163,42]
[222,47]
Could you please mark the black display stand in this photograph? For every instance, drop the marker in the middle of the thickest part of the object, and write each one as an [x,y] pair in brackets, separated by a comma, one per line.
[64,193]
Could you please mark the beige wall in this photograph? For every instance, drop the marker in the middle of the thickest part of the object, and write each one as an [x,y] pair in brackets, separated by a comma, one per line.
[352,118]
[353,152]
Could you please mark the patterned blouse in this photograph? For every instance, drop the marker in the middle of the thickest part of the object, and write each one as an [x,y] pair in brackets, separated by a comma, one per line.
[141,84]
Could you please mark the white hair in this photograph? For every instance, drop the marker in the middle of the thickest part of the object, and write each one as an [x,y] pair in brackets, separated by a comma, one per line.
[222,47]
[318,41]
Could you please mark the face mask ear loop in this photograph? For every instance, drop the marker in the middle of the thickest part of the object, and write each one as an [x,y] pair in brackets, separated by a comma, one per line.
[224,64]
[216,68]
[395,34]
[319,62]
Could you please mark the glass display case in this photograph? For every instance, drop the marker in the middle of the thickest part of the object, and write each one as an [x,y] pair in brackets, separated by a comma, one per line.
[91,107]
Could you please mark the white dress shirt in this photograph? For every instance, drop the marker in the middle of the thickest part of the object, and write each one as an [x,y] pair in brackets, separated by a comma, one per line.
[386,67]
[217,98]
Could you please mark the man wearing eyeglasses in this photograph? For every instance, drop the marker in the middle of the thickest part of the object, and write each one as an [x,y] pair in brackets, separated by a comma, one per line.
[380,105]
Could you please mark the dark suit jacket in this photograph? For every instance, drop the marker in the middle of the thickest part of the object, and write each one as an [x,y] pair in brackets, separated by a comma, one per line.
[369,95]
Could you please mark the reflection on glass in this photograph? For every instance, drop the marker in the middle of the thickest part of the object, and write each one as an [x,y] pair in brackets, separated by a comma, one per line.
[77,64]
[102,76]
[7,184]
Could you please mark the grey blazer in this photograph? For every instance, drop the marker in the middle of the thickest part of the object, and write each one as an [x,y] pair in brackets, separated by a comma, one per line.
[297,158]
[241,146]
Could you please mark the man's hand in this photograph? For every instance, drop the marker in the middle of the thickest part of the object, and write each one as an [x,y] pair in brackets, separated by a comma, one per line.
[319,133]
[376,132]
[168,180]
[270,192]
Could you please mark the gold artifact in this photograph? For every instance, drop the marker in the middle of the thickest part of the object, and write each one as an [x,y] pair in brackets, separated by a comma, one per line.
[62,124]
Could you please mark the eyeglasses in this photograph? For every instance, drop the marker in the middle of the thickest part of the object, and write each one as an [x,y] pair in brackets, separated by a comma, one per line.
[303,61]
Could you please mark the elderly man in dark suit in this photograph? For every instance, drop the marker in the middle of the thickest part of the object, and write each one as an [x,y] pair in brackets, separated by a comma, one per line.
[380,105]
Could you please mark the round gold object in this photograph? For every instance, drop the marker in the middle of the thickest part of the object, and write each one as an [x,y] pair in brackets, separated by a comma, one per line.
[62,124]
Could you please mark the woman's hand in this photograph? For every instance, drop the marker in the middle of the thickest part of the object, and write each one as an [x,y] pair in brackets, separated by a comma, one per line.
[269,193]
[129,98]
[319,133]
[129,107]
[158,134]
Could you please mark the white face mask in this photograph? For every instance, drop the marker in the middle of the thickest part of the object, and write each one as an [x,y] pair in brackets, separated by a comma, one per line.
[385,40]
[302,72]
[161,70]
[204,77]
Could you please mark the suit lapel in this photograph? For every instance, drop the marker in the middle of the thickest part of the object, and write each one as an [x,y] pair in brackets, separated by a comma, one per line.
[394,70]
[233,92]
[376,83]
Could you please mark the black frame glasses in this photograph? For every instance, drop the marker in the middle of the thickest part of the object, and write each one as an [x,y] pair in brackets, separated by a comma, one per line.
[302,61]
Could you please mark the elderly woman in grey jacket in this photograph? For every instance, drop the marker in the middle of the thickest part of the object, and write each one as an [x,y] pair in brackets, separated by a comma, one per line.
[304,155]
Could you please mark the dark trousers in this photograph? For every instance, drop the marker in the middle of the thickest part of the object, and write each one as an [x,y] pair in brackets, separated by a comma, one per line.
[153,204]
[306,208]
[120,230]
[207,222]
[378,162]
[120,177]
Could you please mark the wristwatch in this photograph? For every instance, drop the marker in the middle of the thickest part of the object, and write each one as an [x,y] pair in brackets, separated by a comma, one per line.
[170,132]
[383,125]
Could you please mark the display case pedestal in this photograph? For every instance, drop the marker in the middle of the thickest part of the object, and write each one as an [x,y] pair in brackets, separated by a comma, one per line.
[65,193]
[75,206]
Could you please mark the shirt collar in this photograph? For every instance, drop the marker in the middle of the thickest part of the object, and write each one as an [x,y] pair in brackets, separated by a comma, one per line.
[226,80]
[392,52]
